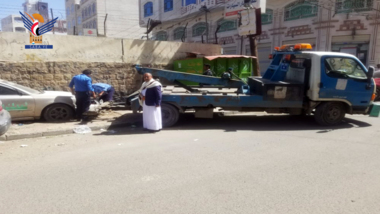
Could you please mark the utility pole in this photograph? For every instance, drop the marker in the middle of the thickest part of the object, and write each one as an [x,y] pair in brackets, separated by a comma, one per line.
[204,8]
[105,26]
[52,17]
[254,52]
[253,43]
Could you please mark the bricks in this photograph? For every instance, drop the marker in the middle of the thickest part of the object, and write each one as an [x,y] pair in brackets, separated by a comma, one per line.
[57,75]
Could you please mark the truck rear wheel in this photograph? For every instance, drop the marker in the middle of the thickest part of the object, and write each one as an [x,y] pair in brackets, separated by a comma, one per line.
[330,113]
[170,115]
[377,94]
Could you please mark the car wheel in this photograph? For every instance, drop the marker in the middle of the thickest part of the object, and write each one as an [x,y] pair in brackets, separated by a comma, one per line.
[58,113]
[330,113]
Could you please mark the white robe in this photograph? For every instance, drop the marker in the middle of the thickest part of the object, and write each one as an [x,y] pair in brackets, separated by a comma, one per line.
[152,119]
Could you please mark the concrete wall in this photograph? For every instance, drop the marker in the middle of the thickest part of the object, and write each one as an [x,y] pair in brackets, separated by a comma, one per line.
[110,59]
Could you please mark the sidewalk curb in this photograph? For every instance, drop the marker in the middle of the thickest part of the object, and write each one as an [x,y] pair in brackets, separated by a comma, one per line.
[60,132]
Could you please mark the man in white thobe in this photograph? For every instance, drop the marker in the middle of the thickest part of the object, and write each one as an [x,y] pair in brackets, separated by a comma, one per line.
[150,98]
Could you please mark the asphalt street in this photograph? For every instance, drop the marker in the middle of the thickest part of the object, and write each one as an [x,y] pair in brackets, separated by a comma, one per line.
[234,164]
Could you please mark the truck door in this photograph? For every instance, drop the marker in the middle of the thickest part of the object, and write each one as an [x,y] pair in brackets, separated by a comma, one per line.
[345,78]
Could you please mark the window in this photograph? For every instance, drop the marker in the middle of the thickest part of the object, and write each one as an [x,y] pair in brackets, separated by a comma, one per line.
[83,15]
[68,11]
[68,25]
[344,68]
[93,8]
[7,91]
[267,17]
[346,6]
[168,5]
[227,25]
[89,11]
[73,23]
[18,19]
[179,33]
[20,29]
[72,8]
[94,24]
[79,20]
[229,51]
[199,29]
[188,2]
[162,36]
[148,9]
[301,9]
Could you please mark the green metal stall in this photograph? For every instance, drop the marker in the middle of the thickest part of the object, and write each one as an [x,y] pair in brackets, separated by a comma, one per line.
[241,65]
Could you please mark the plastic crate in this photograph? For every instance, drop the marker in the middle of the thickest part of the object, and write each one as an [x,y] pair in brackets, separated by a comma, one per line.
[375,110]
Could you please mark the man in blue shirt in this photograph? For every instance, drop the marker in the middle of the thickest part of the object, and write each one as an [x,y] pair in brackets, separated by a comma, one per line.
[83,91]
[104,91]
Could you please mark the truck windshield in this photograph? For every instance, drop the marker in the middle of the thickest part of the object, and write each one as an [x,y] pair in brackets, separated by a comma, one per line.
[339,67]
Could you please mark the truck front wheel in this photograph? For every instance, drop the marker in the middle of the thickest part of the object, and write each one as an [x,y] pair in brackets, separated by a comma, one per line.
[170,115]
[330,113]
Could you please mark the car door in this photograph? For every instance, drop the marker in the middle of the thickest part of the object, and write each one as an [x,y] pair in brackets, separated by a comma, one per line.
[345,78]
[19,105]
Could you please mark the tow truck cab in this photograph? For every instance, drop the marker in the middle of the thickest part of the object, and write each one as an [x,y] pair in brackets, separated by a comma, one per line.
[330,83]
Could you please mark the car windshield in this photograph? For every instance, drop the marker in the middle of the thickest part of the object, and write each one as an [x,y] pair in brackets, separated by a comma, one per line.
[24,88]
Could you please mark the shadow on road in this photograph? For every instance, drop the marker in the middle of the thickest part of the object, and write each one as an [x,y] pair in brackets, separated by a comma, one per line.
[243,123]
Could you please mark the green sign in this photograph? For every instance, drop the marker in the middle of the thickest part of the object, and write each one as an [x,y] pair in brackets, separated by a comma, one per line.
[14,107]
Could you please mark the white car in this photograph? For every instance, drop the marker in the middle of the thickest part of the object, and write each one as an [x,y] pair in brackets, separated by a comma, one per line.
[5,120]
[24,103]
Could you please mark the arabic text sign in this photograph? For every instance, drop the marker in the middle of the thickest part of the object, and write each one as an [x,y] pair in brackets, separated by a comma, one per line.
[192,8]
[233,7]
[248,22]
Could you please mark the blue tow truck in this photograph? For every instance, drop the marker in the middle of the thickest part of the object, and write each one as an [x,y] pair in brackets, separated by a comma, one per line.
[298,81]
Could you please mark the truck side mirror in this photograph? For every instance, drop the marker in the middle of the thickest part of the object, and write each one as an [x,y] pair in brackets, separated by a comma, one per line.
[371,71]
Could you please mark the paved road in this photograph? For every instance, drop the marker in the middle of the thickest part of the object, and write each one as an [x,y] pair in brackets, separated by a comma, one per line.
[272,164]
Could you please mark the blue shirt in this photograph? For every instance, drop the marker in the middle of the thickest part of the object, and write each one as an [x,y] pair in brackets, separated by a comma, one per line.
[99,87]
[82,83]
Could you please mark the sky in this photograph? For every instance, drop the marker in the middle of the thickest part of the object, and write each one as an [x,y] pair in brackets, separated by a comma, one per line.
[12,7]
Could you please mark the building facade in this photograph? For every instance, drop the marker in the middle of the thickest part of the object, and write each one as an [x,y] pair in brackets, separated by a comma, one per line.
[349,26]
[42,8]
[13,23]
[110,18]
[33,6]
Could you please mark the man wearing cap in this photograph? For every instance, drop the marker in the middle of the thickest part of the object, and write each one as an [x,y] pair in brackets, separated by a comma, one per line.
[207,70]
[228,74]
[104,91]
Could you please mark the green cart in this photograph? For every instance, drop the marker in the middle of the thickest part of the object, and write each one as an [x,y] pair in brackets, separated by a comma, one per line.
[241,65]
